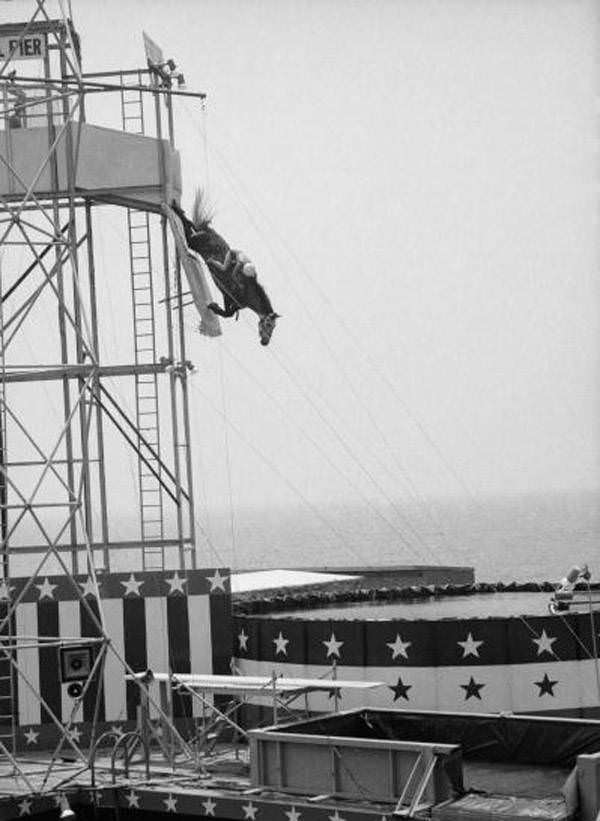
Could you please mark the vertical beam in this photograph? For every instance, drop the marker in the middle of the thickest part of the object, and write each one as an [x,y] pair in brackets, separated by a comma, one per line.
[64,351]
[185,402]
[84,414]
[170,332]
[96,387]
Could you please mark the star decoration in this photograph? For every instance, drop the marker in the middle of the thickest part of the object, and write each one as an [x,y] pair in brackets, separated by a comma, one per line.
[25,806]
[117,730]
[217,582]
[131,586]
[133,799]
[544,644]
[398,647]
[281,644]
[74,734]
[335,692]
[176,584]
[470,646]
[472,689]
[243,640]
[46,589]
[333,646]
[170,803]
[546,686]
[249,811]
[293,814]
[31,736]
[5,590]
[209,806]
[88,588]
[400,690]
[336,817]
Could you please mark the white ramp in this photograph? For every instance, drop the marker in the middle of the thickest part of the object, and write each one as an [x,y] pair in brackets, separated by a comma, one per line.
[197,276]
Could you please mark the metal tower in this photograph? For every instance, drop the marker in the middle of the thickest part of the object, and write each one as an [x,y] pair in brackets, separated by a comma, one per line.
[69,417]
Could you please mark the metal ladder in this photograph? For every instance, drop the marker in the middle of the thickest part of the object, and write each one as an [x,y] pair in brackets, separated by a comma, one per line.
[8,716]
[144,325]
[416,783]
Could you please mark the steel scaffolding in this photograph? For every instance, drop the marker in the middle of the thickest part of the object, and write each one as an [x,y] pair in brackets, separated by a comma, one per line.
[55,465]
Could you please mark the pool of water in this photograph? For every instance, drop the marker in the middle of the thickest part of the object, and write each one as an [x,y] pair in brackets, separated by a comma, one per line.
[478,605]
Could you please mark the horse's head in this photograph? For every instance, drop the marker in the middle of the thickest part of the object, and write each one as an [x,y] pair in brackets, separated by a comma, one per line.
[266,326]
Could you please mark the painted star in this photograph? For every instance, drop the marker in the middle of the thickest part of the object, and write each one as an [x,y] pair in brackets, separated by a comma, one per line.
[398,647]
[25,806]
[470,646]
[243,640]
[472,689]
[5,590]
[544,644]
[88,588]
[46,589]
[170,803]
[250,811]
[333,646]
[131,586]
[336,817]
[217,582]
[293,814]
[31,736]
[133,799]
[74,734]
[281,644]
[117,730]
[400,690]
[209,806]
[176,584]
[335,692]
[546,686]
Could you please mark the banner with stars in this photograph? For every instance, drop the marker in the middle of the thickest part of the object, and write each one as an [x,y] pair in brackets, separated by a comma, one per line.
[542,664]
[179,621]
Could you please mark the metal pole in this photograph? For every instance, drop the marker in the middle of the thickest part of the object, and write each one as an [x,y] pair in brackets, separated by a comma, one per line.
[73,254]
[96,388]
[170,337]
[184,377]
[61,322]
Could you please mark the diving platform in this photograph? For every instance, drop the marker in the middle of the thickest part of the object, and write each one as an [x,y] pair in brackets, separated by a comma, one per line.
[107,165]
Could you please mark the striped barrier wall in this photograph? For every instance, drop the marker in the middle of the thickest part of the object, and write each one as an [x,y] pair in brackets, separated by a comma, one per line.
[162,620]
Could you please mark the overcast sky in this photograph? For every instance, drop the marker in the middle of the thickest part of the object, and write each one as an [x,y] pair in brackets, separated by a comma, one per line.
[417,184]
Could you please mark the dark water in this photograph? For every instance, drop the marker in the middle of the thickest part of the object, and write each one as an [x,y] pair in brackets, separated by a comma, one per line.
[464,607]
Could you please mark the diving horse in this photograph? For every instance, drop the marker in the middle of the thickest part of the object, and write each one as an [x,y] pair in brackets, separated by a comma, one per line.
[232,271]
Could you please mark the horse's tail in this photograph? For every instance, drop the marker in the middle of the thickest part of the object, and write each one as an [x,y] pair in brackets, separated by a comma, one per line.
[201,211]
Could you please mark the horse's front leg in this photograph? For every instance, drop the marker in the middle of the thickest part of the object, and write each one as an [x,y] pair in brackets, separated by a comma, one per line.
[230,307]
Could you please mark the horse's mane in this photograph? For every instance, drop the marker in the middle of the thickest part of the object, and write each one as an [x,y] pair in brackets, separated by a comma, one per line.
[202,213]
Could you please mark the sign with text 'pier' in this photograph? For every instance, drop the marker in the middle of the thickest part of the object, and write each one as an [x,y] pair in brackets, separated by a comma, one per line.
[29,47]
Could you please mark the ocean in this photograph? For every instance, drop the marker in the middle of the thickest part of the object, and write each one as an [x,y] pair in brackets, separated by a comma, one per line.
[521,538]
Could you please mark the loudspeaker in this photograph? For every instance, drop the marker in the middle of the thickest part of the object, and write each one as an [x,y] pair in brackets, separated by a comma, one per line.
[75,689]
[76,662]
